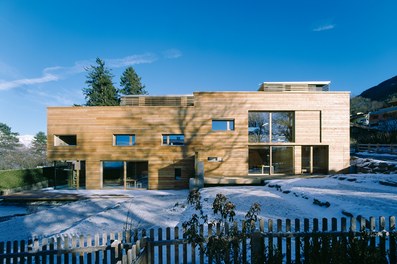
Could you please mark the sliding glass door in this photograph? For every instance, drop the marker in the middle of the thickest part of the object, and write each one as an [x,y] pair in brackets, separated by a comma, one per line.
[268,160]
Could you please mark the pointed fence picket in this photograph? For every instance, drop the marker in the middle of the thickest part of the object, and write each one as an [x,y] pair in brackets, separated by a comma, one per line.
[123,247]
[291,239]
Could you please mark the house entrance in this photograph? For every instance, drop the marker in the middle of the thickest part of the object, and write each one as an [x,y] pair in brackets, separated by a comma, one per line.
[125,174]
[270,160]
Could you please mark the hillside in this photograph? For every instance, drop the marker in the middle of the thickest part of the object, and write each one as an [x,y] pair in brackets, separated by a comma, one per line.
[381,91]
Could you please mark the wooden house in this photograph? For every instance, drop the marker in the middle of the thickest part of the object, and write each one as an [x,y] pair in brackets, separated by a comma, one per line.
[160,142]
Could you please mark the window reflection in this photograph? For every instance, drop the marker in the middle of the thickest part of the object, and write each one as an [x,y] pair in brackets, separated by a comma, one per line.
[270,127]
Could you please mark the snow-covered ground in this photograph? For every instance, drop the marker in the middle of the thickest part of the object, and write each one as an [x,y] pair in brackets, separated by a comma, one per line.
[109,211]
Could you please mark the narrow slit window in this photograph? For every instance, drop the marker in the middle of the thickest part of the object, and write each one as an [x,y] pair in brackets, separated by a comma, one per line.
[214,159]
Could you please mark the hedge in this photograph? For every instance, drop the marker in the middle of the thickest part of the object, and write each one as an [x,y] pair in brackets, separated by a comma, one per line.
[10,179]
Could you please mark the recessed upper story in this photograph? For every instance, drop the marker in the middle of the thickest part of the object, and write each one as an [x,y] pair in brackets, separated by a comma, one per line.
[314,86]
[189,100]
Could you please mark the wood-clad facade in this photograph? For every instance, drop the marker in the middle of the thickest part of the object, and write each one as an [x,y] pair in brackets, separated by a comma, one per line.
[158,142]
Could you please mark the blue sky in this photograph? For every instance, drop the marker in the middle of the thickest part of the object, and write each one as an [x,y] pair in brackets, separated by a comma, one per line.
[178,47]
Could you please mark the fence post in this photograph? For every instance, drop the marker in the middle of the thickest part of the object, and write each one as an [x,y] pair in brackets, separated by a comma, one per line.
[209,235]
[168,247]
[392,238]
[257,248]
[382,226]
[297,241]
[279,238]
[176,246]
[151,247]
[115,251]
[2,248]
[288,240]
[306,242]
[15,250]
[270,239]
[244,242]
[160,247]
[201,244]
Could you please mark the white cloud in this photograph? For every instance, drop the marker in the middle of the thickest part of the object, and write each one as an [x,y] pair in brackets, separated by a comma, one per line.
[131,60]
[324,27]
[47,77]
[172,54]
[58,72]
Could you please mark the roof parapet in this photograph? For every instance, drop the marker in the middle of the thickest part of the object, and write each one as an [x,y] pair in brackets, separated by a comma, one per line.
[312,86]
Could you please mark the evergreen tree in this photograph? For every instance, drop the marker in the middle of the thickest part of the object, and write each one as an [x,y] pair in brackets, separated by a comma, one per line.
[8,139]
[39,143]
[39,148]
[9,144]
[100,91]
[131,83]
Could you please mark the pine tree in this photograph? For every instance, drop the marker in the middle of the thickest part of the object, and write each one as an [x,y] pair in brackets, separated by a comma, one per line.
[9,144]
[8,139]
[131,83]
[39,149]
[100,91]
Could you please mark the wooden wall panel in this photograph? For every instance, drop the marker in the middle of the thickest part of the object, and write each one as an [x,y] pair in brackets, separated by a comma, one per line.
[305,120]
[95,127]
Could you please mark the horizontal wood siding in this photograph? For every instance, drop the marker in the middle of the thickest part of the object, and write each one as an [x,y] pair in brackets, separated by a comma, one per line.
[320,118]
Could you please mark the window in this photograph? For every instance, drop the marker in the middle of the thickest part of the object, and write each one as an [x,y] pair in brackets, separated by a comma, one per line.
[173,140]
[215,159]
[124,140]
[178,173]
[65,140]
[222,125]
[265,127]
[270,160]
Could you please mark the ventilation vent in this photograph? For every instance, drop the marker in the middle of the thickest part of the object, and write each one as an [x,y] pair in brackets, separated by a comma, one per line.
[163,101]
[157,101]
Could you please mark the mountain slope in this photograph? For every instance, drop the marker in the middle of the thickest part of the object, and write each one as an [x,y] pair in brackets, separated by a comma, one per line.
[381,91]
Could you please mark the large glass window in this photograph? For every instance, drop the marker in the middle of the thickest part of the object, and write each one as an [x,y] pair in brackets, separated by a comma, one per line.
[113,174]
[315,159]
[259,161]
[282,160]
[173,140]
[270,160]
[124,140]
[222,125]
[265,127]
